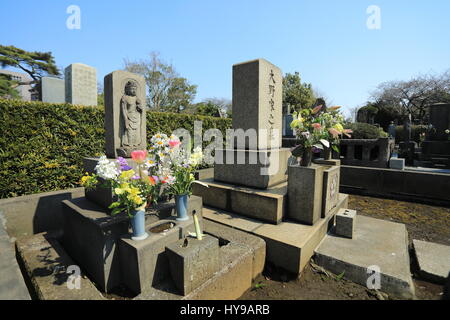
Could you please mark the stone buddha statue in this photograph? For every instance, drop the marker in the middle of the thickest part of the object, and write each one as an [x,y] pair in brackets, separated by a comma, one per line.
[132,115]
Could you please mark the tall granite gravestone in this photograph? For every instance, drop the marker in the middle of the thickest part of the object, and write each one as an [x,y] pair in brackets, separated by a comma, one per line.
[257,105]
[81,84]
[436,149]
[53,90]
[125,113]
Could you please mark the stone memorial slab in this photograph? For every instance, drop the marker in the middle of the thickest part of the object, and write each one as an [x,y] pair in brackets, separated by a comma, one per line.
[257,125]
[125,114]
[53,90]
[81,84]
[331,181]
[257,102]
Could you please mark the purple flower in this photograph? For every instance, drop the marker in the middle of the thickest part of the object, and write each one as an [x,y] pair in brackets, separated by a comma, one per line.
[125,168]
[315,150]
[156,179]
[123,164]
[135,177]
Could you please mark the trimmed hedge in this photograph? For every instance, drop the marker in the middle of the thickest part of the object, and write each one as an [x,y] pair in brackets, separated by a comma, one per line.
[363,130]
[42,145]
[416,130]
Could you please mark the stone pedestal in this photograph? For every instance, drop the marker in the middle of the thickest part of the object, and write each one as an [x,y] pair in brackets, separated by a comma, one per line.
[397,163]
[305,190]
[144,263]
[192,262]
[345,223]
[53,90]
[252,168]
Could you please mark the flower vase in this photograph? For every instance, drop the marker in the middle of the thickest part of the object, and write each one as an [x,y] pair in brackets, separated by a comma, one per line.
[306,158]
[181,203]
[138,224]
[327,153]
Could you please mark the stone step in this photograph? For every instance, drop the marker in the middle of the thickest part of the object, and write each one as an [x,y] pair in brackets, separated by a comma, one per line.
[46,264]
[267,205]
[433,260]
[377,244]
[289,244]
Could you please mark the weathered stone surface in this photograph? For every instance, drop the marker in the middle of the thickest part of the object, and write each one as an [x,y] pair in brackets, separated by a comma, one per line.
[345,223]
[251,168]
[289,244]
[46,264]
[305,189]
[267,205]
[125,113]
[230,235]
[330,193]
[433,260]
[12,284]
[53,90]
[257,101]
[376,243]
[440,118]
[90,238]
[193,264]
[144,263]
[81,84]
[397,163]
[36,213]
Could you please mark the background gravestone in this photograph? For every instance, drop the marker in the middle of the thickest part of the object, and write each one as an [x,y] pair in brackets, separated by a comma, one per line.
[53,90]
[125,113]
[81,84]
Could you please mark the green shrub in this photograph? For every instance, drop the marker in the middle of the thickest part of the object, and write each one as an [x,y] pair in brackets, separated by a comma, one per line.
[416,130]
[365,131]
[42,145]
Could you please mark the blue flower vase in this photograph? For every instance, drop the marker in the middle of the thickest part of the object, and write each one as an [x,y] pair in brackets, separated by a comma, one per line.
[181,203]
[138,225]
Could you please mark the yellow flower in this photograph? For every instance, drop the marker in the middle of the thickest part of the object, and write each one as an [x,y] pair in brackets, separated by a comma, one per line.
[338,127]
[126,175]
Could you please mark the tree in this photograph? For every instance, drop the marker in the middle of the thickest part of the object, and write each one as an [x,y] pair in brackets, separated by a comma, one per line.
[413,96]
[214,107]
[35,64]
[7,87]
[296,95]
[167,91]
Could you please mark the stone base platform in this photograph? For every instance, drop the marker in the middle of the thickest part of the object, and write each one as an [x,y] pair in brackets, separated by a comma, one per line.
[379,243]
[241,260]
[267,205]
[433,260]
[290,245]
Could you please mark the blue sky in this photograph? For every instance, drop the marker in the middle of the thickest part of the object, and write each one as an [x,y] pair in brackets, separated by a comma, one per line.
[327,41]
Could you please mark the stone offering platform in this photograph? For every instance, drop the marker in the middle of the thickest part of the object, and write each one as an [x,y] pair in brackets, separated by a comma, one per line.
[433,260]
[289,244]
[375,243]
[267,205]
[241,259]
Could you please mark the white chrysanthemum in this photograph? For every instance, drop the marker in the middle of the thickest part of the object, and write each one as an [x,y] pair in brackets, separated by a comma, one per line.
[107,169]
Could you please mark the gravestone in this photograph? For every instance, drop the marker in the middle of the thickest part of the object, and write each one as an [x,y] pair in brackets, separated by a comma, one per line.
[257,108]
[391,130]
[53,90]
[125,114]
[81,84]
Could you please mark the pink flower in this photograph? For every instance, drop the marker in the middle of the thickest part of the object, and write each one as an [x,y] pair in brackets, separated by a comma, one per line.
[316,126]
[334,132]
[347,131]
[316,109]
[139,156]
[174,143]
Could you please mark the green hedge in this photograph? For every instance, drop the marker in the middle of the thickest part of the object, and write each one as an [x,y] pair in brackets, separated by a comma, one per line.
[365,131]
[42,145]
[416,130]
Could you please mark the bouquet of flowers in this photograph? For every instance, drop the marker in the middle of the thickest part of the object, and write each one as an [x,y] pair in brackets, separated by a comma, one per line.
[132,187]
[317,129]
